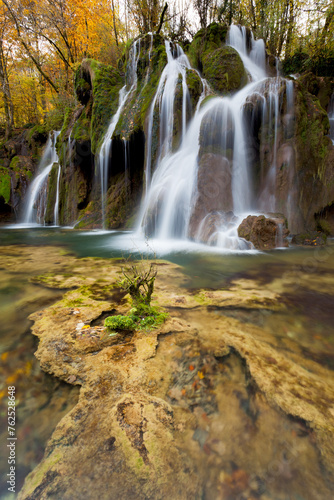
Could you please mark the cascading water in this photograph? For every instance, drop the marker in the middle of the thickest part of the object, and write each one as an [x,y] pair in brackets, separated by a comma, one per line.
[104,154]
[37,193]
[164,98]
[331,118]
[56,209]
[176,204]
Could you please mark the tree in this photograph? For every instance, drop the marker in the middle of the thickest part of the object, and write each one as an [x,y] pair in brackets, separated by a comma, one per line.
[4,80]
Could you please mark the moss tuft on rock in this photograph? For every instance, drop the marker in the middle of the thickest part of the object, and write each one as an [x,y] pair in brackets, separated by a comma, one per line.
[224,70]
[5,184]
[205,41]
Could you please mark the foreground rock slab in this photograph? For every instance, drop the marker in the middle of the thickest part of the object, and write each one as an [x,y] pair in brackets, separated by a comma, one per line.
[211,404]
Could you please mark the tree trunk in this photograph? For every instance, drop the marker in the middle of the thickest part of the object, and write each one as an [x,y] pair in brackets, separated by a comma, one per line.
[8,103]
[114,21]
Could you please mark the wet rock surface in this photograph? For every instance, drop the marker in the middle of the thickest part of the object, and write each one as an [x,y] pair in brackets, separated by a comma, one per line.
[220,402]
[310,238]
[264,232]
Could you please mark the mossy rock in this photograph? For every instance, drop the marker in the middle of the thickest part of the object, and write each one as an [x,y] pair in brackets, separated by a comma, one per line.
[22,166]
[52,194]
[321,87]
[5,184]
[224,70]
[310,238]
[205,41]
[195,86]
[97,86]
[135,111]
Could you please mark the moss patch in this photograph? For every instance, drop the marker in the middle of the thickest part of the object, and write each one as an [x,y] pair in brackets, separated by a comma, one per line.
[205,41]
[5,184]
[224,70]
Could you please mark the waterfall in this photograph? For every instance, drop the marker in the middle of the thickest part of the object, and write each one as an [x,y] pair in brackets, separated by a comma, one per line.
[164,98]
[56,209]
[104,154]
[37,192]
[331,118]
[215,143]
[254,59]
[126,167]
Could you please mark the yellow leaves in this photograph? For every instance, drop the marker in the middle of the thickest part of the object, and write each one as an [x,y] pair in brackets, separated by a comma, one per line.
[11,379]
[4,356]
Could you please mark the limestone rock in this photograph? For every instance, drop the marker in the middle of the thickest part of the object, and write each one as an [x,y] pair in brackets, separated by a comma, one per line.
[265,233]
[214,191]
[224,70]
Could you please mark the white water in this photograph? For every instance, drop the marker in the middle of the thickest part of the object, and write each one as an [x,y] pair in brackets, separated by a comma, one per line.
[171,192]
[104,154]
[164,99]
[331,118]
[56,209]
[37,193]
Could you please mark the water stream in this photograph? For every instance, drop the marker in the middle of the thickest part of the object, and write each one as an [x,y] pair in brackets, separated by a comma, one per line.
[105,150]
[304,327]
[34,210]
[331,118]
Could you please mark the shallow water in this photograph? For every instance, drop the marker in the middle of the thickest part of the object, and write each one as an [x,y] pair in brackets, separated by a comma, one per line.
[303,277]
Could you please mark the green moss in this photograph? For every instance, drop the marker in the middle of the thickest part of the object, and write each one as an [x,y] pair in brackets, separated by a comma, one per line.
[5,184]
[224,70]
[52,193]
[119,323]
[14,163]
[205,41]
[145,318]
[195,86]
[106,85]
[81,129]
[74,302]
[39,474]
[135,111]
[68,116]
[324,226]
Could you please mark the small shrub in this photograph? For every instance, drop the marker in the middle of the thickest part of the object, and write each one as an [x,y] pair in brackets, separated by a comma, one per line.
[139,283]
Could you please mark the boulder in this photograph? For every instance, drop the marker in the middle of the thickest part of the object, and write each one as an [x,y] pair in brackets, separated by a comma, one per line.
[224,70]
[214,193]
[212,224]
[264,232]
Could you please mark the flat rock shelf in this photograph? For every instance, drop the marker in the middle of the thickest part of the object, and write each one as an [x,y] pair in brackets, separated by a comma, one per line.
[229,398]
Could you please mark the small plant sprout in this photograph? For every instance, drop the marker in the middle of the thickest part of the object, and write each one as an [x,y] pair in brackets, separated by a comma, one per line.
[139,282]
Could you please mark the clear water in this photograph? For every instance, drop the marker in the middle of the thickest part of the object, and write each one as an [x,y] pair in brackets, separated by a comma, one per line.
[306,326]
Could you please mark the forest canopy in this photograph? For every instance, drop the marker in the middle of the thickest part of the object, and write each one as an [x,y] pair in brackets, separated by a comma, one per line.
[42,43]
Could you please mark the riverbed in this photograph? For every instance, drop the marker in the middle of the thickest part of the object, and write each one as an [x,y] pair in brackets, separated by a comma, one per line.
[285,295]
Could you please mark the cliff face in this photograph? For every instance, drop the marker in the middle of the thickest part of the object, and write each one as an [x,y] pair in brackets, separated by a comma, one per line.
[300,148]
[18,162]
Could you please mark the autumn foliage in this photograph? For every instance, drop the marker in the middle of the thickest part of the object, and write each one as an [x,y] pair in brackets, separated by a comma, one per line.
[43,42]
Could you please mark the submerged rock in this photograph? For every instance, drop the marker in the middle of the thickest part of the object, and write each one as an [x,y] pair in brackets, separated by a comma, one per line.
[264,232]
